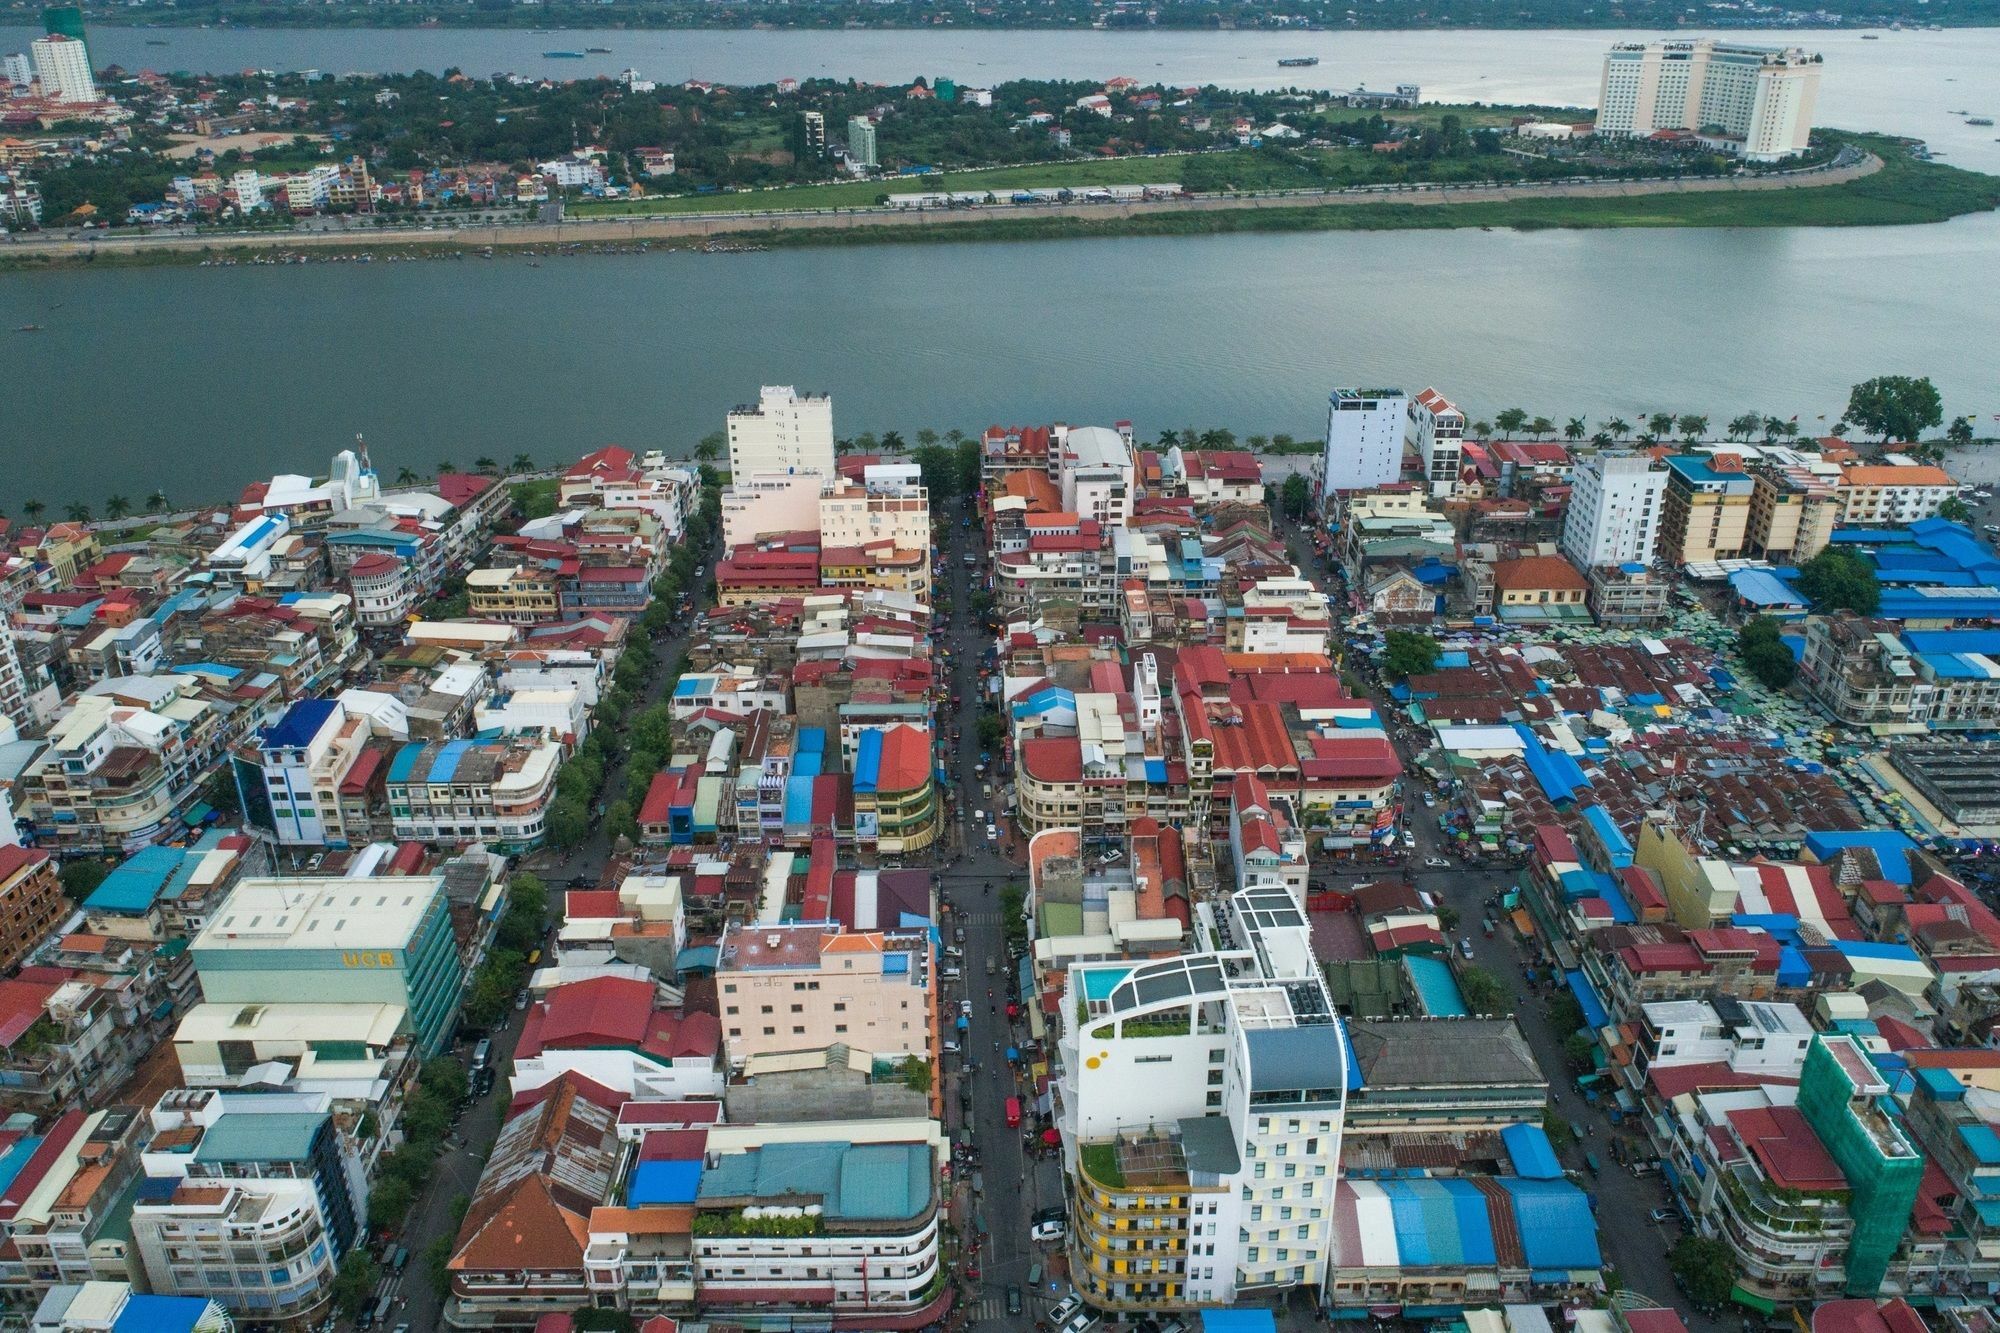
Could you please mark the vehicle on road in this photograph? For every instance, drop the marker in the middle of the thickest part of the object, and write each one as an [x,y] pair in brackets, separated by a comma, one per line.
[1013,1112]
[1013,1298]
[1084,1322]
[990,968]
[965,1007]
[1659,1215]
[521,1001]
[951,1048]
[1465,949]
[481,1053]
[992,833]
[1045,1231]
[1436,863]
[1991,528]
[1069,1305]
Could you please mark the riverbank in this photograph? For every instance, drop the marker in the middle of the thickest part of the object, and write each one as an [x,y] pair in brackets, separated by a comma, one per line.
[1887,188]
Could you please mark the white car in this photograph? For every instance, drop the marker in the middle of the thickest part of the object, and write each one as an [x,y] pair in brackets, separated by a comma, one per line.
[979,816]
[1436,863]
[1083,1323]
[1465,948]
[1991,528]
[965,1007]
[1046,1231]
[992,833]
[1069,1305]
[951,1048]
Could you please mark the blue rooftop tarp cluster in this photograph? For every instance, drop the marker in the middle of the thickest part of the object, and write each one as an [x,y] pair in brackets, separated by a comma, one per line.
[1557,1229]
[1586,998]
[1440,1222]
[664,1182]
[1559,775]
[1892,849]
[1239,1321]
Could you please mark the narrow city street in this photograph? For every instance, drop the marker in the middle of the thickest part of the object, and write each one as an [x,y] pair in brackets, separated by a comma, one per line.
[435,1213]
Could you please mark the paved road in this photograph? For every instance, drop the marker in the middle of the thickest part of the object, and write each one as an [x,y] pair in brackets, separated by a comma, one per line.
[458,1168]
[1635,1246]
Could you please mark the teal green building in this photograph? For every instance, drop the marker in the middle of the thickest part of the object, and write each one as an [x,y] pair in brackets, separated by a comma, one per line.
[1846,1101]
[384,940]
[66,20]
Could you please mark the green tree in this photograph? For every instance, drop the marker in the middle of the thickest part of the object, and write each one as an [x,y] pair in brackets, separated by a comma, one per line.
[596,1319]
[569,823]
[991,731]
[521,463]
[446,468]
[33,510]
[156,503]
[1660,423]
[1576,1050]
[1541,428]
[1764,652]
[1511,420]
[80,878]
[927,436]
[1744,426]
[711,446]
[485,464]
[437,1261]
[1895,407]
[619,822]
[1482,990]
[1838,580]
[1409,653]
[1705,1267]
[444,1077]
[937,464]
[1955,510]
[1959,433]
[117,507]
[917,1074]
[354,1283]
[1556,1128]
[1693,427]
[1574,429]
[1297,496]
[389,1202]
[77,512]
[426,1117]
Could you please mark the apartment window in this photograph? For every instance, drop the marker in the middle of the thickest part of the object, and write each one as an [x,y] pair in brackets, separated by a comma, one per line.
[770,1032]
[764,1009]
[730,1010]
[798,1008]
[798,1032]
[840,1027]
[840,1006]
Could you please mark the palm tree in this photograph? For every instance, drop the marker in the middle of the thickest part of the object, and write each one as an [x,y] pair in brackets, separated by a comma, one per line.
[892,442]
[1660,423]
[32,509]
[955,435]
[406,477]
[1743,427]
[77,511]
[1772,428]
[1574,429]
[1693,427]
[1619,427]
[117,507]
[1648,438]
[1541,426]
[521,463]
[485,464]
[710,448]
[1602,439]
[1169,438]
[447,467]
[156,503]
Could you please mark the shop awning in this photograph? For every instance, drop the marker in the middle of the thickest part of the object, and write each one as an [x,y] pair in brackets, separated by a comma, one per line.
[1752,1300]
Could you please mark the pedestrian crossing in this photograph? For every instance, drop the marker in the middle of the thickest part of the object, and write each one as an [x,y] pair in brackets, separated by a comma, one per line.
[990,1307]
[978,918]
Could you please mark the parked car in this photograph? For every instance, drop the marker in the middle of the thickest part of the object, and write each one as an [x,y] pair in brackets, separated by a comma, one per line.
[1046,1231]
[951,1048]
[1437,863]
[1068,1306]
[1013,1298]
[965,1006]
[1465,949]
[1660,1215]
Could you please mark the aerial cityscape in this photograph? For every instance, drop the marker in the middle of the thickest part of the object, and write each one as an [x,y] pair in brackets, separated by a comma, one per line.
[598,733]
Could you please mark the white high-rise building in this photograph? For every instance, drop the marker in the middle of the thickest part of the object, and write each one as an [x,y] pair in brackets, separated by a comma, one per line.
[1364,439]
[16,68]
[1201,1105]
[1437,432]
[785,432]
[1754,101]
[1096,473]
[861,149]
[63,65]
[1614,510]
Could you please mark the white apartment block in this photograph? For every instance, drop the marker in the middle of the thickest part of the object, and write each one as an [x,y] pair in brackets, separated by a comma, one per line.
[891,504]
[1201,1104]
[1892,494]
[785,431]
[63,65]
[1614,510]
[764,503]
[305,758]
[17,69]
[1437,433]
[1364,439]
[1754,101]
[1095,465]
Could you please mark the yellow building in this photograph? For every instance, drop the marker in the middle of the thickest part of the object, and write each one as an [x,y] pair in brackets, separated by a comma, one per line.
[1701,891]
[1792,514]
[518,596]
[1705,513]
[1130,1245]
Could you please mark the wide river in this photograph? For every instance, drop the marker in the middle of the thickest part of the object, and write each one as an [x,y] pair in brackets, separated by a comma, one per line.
[195,380]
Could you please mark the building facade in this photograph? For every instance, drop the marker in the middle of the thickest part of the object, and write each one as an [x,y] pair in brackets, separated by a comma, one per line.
[784,431]
[1437,433]
[1614,510]
[1754,101]
[1364,439]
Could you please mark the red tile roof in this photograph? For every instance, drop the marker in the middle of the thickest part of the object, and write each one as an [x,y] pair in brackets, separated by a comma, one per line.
[1785,1145]
[1053,759]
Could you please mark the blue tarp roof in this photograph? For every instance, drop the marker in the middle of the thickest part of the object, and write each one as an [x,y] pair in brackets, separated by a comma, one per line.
[1557,1230]
[1608,835]
[1760,587]
[812,740]
[798,800]
[1586,996]
[160,1314]
[1891,848]
[1239,1321]
[1436,990]
[1558,774]
[1892,953]
[138,883]
[300,724]
[868,760]
[664,1182]
[1529,1149]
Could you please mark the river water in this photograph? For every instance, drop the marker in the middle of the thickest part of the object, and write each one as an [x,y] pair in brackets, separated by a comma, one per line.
[196,380]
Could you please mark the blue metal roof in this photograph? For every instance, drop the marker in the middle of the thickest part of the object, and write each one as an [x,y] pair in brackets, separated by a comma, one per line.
[664,1182]
[1760,587]
[812,740]
[16,1158]
[405,761]
[868,760]
[161,1314]
[1436,990]
[1557,1230]
[1529,1149]
[1892,849]
[798,800]
[1239,1321]
[299,725]
[1558,774]
[138,883]
[445,766]
[1586,997]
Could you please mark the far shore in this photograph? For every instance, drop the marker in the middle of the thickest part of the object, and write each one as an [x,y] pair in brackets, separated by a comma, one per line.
[1874,191]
